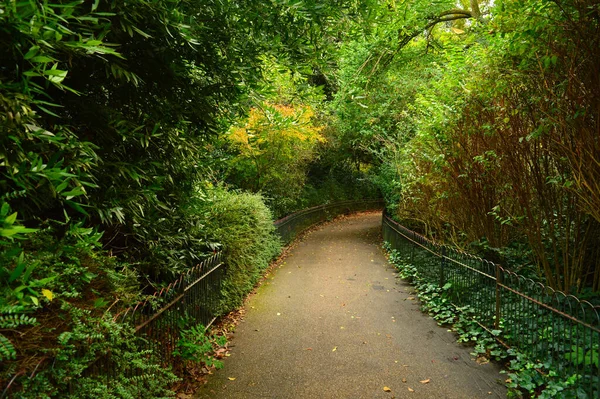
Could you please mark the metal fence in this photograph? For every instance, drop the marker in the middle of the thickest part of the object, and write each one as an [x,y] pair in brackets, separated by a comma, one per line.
[190,300]
[292,225]
[193,297]
[555,329]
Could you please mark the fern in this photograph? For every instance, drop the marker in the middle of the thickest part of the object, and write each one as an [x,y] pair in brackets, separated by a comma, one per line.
[7,349]
[11,317]
[15,320]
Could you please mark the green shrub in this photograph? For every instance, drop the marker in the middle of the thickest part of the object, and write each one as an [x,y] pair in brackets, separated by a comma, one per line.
[243,225]
[196,345]
[124,371]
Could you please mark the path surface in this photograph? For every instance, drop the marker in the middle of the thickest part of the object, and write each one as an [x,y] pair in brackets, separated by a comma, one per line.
[335,322]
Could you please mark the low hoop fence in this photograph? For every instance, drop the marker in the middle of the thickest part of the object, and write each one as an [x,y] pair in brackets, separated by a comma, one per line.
[553,328]
[290,226]
[193,298]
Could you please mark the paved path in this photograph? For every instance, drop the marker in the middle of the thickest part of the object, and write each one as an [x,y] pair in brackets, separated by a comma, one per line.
[335,322]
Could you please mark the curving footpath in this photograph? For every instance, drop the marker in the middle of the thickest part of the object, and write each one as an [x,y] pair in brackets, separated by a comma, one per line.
[334,321]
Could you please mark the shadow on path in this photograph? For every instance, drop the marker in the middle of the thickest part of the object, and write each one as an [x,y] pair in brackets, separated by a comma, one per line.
[335,322]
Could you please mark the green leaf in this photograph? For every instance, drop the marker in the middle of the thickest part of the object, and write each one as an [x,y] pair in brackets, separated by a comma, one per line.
[46,110]
[55,72]
[42,59]
[17,272]
[62,186]
[11,219]
[76,192]
[29,271]
[77,207]
[31,73]
[32,52]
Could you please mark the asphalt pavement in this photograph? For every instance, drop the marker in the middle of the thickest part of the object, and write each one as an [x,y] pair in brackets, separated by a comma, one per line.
[335,321]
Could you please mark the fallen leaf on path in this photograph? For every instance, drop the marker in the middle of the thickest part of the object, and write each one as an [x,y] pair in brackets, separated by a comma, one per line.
[387,389]
[334,349]
[404,380]
[308,349]
[411,298]
[482,360]
[220,353]
[231,378]
[425,381]
[410,389]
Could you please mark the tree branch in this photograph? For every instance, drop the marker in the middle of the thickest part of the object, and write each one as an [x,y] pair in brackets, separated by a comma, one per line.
[454,11]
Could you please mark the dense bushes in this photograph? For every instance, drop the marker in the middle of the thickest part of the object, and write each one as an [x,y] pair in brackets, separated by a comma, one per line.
[98,358]
[243,226]
[484,129]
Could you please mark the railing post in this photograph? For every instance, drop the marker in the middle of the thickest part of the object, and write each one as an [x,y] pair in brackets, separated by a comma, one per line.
[442,268]
[498,302]
[412,249]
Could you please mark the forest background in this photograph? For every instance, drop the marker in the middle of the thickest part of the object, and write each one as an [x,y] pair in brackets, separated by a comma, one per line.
[139,137]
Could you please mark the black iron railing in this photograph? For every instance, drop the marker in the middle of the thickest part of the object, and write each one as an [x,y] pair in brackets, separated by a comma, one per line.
[292,225]
[551,327]
[193,296]
[158,321]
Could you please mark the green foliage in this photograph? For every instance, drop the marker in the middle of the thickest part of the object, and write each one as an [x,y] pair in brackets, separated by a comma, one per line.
[42,271]
[527,377]
[195,345]
[243,226]
[99,340]
[12,317]
[274,147]
[484,131]
[9,227]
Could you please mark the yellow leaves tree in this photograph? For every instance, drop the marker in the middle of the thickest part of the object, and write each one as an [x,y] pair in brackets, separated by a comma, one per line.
[274,146]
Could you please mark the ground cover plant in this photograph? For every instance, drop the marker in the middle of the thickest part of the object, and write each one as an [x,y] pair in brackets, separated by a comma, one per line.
[525,376]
